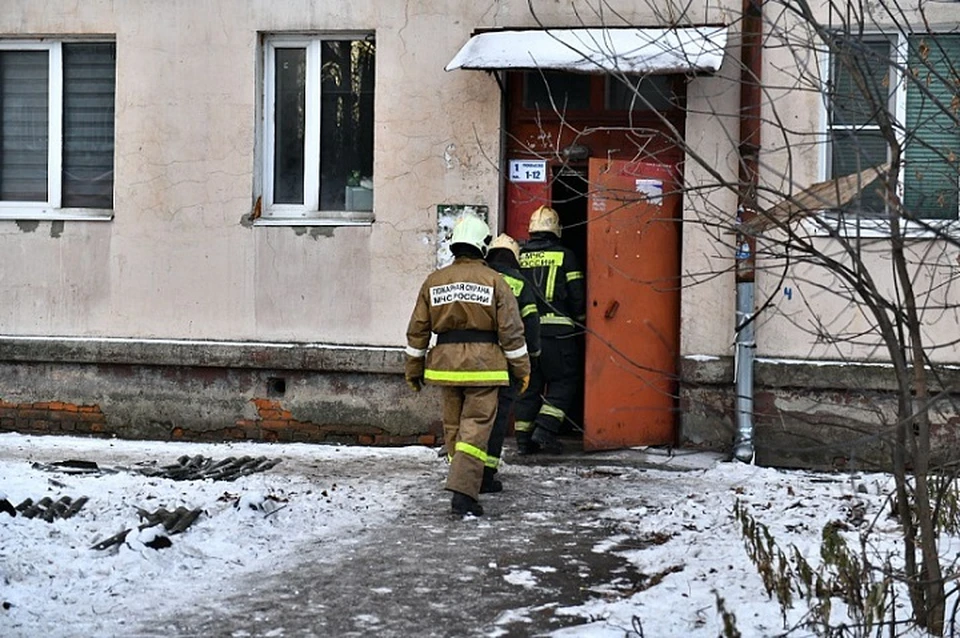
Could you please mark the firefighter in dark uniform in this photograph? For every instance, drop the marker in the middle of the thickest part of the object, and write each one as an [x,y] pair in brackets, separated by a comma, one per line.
[504,257]
[480,344]
[558,281]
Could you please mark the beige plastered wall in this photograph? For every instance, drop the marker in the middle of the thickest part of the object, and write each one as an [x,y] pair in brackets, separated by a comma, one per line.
[810,314]
[177,261]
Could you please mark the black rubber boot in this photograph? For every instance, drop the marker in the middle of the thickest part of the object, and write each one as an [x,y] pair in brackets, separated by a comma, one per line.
[490,483]
[461,505]
[547,441]
[525,444]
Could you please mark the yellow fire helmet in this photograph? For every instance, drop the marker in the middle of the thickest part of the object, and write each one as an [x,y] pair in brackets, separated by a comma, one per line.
[471,230]
[506,241]
[545,219]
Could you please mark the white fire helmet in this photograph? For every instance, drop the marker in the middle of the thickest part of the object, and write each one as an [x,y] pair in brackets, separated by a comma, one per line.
[471,230]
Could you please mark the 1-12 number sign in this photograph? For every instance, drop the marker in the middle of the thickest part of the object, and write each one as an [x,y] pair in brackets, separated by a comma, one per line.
[528,170]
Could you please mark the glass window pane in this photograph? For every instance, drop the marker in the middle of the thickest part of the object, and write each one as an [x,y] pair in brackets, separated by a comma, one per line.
[89,81]
[933,135]
[854,152]
[24,125]
[346,124]
[650,93]
[861,82]
[290,74]
[930,189]
[556,90]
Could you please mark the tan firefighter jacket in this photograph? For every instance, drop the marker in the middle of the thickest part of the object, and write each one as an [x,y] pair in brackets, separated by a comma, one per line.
[479,332]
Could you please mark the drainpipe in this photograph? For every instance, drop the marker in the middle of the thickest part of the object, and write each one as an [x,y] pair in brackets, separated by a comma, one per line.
[751,51]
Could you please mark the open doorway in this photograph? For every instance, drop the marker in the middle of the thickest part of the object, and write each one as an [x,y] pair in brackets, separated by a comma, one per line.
[569,198]
[598,118]
[568,195]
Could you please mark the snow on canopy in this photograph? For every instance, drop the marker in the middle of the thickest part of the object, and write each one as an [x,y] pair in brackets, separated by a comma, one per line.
[637,51]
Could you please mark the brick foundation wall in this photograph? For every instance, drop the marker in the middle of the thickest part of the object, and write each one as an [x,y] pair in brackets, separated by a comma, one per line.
[273,423]
[54,417]
[213,392]
[810,414]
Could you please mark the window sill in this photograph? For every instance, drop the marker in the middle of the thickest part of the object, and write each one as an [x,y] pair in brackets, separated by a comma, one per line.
[880,229]
[57,215]
[322,219]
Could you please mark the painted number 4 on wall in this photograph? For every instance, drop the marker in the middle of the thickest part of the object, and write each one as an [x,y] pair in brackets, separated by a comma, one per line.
[528,170]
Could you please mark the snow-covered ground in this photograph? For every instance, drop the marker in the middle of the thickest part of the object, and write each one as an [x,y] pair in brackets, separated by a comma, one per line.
[674,527]
[52,582]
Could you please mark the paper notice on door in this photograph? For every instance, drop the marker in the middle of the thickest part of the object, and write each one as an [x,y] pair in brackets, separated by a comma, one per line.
[651,189]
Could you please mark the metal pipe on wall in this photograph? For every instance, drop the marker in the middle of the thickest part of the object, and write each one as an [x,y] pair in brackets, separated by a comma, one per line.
[751,62]
[743,448]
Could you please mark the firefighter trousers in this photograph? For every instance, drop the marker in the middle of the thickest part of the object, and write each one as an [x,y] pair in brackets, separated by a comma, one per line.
[505,400]
[554,385]
[468,416]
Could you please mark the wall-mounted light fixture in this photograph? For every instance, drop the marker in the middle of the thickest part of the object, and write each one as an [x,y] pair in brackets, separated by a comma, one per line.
[576,152]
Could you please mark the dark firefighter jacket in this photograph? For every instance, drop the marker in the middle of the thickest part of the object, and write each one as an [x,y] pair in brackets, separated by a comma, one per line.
[555,273]
[527,300]
[480,338]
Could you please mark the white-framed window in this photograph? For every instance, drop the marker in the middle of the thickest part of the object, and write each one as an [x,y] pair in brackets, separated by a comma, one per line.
[908,85]
[318,128]
[57,105]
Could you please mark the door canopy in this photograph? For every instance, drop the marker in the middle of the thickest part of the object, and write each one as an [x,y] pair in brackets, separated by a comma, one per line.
[634,51]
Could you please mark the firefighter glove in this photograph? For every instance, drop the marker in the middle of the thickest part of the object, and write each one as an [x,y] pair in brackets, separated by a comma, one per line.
[413,372]
[524,384]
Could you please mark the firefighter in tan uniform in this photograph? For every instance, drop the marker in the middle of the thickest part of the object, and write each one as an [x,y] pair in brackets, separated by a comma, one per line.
[480,344]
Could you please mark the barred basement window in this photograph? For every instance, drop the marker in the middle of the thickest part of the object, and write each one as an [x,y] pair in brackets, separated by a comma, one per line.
[57,129]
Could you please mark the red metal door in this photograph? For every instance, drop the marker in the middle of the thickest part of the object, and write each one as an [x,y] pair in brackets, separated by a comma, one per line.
[522,199]
[633,305]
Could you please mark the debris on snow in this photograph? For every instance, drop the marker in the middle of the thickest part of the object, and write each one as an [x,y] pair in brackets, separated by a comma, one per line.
[6,506]
[72,466]
[47,509]
[267,504]
[196,468]
[174,522]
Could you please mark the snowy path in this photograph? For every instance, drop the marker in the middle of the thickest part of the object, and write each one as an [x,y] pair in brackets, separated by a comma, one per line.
[426,574]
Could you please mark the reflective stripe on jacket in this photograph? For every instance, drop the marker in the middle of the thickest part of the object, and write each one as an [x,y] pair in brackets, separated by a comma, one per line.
[467,295]
[555,273]
[527,301]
